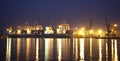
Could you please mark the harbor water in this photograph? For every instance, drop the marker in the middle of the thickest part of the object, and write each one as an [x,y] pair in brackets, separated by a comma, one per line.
[59,49]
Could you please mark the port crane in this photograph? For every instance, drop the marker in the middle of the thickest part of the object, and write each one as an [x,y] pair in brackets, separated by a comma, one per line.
[111,28]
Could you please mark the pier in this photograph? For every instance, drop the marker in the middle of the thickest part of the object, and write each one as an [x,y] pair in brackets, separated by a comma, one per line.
[56,36]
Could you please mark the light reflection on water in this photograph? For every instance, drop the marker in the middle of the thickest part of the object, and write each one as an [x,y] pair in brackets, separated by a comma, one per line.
[100,49]
[90,47]
[8,49]
[48,48]
[28,48]
[106,51]
[58,49]
[37,49]
[82,48]
[116,55]
[18,48]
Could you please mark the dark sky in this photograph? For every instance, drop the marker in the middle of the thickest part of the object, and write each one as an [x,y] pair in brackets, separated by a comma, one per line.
[52,12]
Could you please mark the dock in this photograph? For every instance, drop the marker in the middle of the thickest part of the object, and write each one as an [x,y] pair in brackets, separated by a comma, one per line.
[55,36]
[39,36]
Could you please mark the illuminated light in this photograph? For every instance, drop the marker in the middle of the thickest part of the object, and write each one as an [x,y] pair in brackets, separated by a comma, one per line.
[58,31]
[7,29]
[91,31]
[76,28]
[18,31]
[115,25]
[49,30]
[81,32]
[100,32]
[112,30]
[82,28]
[10,31]
[37,28]
[60,26]
[28,31]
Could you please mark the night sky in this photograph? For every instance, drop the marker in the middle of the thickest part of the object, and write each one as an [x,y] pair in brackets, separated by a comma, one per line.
[52,12]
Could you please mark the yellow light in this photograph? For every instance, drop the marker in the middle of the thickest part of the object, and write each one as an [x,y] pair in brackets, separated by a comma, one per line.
[81,32]
[18,31]
[49,30]
[82,28]
[100,31]
[115,25]
[28,31]
[91,31]
[60,26]
[37,28]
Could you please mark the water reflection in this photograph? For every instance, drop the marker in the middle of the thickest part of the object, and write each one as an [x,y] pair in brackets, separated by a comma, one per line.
[8,49]
[48,48]
[112,47]
[82,48]
[76,49]
[111,50]
[61,49]
[106,51]
[90,47]
[116,53]
[18,48]
[28,48]
[100,49]
[37,49]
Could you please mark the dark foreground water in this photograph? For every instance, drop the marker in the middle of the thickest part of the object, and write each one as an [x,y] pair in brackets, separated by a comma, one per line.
[59,49]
